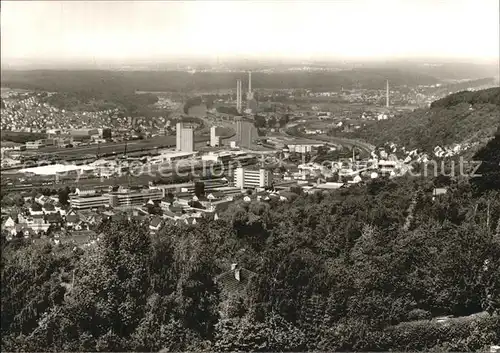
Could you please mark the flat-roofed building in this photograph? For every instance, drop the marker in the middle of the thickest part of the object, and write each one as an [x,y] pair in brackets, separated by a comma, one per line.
[34,145]
[127,197]
[89,202]
[305,147]
[329,186]
[184,138]
[249,178]
[170,157]
[229,190]
[85,191]
[171,188]
[246,132]
[88,198]
[215,136]
[83,132]
[208,185]
[104,133]
[63,140]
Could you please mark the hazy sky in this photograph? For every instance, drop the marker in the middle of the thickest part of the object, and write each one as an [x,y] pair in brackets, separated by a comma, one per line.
[154,30]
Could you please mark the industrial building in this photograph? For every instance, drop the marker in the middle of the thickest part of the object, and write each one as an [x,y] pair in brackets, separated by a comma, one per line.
[246,133]
[82,134]
[184,138]
[305,147]
[63,140]
[104,133]
[208,185]
[169,157]
[224,156]
[251,102]
[127,197]
[238,95]
[88,199]
[34,145]
[248,178]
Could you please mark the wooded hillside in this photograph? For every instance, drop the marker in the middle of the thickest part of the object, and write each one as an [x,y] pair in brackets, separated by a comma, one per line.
[340,271]
[457,118]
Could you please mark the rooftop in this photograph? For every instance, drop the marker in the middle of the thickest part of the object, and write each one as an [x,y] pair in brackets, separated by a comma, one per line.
[329,185]
[54,169]
[173,154]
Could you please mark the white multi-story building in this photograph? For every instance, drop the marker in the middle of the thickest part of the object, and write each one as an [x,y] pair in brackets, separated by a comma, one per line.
[88,202]
[34,145]
[125,197]
[215,136]
[303,147]
[246,178]
[184,138]
[87,199]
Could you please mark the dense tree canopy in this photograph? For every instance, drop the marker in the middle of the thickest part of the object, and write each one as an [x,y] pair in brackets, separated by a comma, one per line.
[354,269]
[103,98]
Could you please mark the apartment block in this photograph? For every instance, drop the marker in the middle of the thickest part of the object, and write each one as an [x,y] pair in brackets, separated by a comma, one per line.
[184,138]
[247,178]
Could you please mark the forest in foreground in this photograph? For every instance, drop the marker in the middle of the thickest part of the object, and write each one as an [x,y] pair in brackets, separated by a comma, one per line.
[368,268]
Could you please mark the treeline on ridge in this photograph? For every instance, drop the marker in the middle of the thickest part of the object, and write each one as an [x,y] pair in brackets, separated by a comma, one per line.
[486,96]
[154,81]
[103,99]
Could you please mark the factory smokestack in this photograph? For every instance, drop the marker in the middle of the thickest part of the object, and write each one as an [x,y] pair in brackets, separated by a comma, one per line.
[250,93]
[387,94]
[238,95]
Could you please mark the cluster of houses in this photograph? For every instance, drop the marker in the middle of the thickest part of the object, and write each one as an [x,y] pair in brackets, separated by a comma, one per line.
[415,155]
[27,112]
[450,151]
[43,216]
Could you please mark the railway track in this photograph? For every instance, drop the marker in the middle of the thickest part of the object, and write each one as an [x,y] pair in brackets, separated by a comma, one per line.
[181,172]
[364,146]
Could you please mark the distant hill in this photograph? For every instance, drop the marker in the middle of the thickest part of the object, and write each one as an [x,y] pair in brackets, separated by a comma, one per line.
[155,81]
[482,83]
[459,71]
[457,118]
[487,96]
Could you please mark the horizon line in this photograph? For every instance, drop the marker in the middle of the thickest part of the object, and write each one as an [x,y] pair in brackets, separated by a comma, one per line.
[13,63]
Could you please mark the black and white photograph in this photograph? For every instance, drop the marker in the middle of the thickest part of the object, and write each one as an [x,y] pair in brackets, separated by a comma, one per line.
[250,176]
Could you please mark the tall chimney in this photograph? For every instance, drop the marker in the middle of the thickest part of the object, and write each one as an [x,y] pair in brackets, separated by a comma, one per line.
[241,96]
[249,81]
[238,95]
[387,94]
